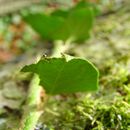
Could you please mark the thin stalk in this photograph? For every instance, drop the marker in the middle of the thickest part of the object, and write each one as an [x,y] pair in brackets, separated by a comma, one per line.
[60,47]
[32,112]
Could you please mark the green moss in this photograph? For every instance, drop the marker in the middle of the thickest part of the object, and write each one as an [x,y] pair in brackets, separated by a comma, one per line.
[90,114]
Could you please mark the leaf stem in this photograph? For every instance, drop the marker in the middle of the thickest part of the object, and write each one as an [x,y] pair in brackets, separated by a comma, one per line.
[60,47]
[31,113]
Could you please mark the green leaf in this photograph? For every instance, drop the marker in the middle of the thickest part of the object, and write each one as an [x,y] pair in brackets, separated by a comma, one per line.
[60,75]
[93,6]
[45,25]
[75,23]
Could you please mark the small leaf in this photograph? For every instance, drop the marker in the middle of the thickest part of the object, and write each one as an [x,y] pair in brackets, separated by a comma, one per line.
[45,25]
[75,23]
[60,75]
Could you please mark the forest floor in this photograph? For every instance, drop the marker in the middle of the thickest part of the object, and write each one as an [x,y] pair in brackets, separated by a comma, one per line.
[108,49]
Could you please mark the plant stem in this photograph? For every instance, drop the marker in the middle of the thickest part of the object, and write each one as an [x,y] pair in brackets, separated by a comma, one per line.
[32,113]
[60,47]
